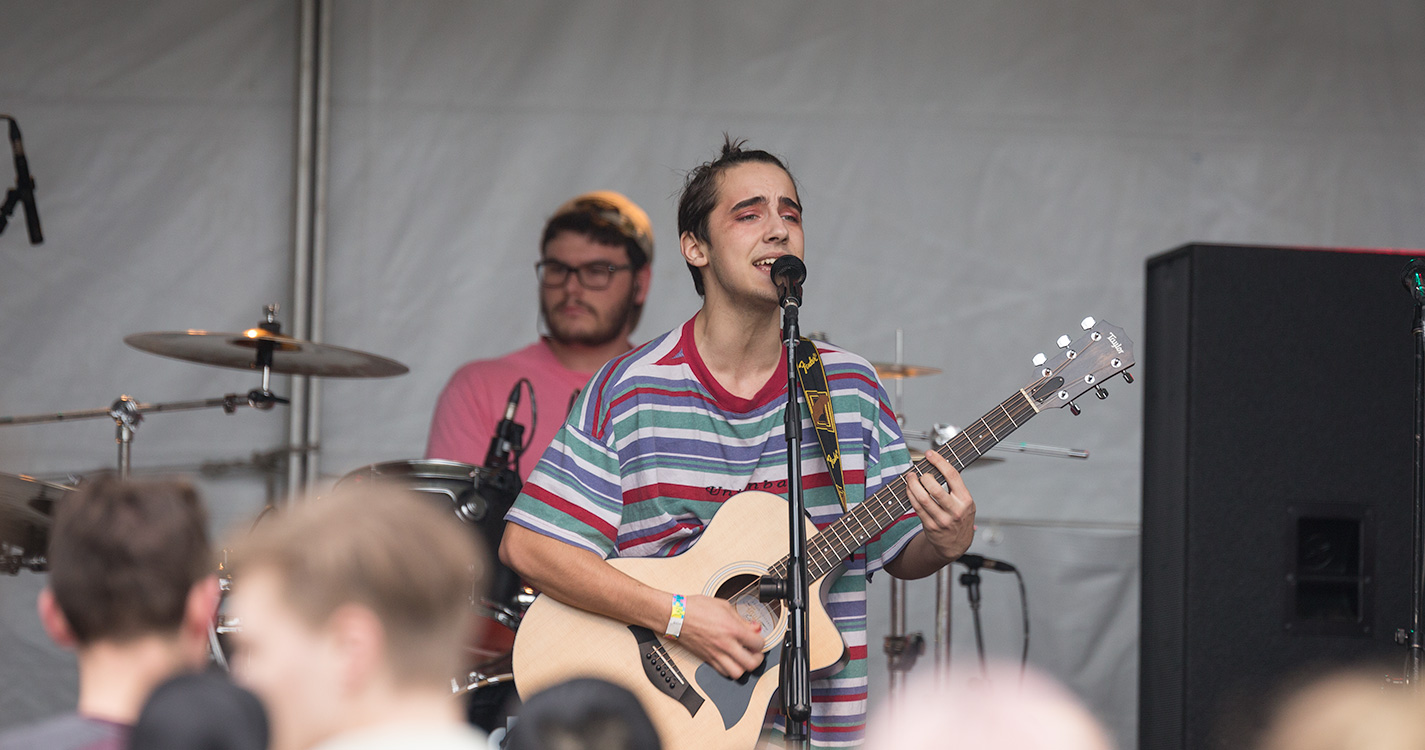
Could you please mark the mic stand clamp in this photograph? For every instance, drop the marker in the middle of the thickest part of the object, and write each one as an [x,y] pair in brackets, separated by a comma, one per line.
[970,579]
[793,589]
[902,651]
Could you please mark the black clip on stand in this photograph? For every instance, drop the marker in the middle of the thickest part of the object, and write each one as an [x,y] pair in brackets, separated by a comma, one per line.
[789,272]
[970,579]
[1414,280]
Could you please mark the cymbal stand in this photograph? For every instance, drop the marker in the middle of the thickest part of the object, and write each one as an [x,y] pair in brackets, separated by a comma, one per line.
[128,413]
[901,649]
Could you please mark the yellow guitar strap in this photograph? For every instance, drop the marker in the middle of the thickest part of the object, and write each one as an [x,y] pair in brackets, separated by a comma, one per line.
[812,378]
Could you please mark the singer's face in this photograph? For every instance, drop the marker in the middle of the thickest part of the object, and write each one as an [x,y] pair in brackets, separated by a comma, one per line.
[757,219]
[576,314]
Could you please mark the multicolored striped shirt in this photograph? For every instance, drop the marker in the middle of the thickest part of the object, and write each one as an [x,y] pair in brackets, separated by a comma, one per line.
[654,445]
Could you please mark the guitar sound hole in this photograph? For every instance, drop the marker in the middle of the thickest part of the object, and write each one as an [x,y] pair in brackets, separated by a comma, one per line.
[741,592]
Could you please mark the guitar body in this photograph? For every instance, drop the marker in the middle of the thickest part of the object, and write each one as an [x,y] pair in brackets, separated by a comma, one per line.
[692,706]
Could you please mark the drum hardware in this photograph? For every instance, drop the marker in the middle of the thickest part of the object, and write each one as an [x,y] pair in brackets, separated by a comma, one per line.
[264,348]
[940,434]
[474,496]
[476,681]
[26,514]
[900,371]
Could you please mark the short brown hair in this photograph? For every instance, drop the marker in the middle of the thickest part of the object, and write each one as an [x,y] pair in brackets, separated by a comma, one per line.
[415,566]
[124,556]
[699,196]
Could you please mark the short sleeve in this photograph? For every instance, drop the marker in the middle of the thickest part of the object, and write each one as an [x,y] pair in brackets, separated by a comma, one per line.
[462,425]
[575,492]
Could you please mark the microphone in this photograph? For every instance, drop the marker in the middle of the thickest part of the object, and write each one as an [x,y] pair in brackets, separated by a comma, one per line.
[980,561]
[788,272]
[24,187]
[1413,281]
[507,435]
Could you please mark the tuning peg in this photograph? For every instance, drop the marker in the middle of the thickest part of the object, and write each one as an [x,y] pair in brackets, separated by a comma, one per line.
[1127,376]
[1087,323]
[1063,341]
[1100,392]
[1040,359]
[1073,408]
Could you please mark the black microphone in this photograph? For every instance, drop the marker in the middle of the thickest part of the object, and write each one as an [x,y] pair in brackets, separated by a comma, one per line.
[1413,281]
[507,435]
[980,561]
[788,272]
[25,185]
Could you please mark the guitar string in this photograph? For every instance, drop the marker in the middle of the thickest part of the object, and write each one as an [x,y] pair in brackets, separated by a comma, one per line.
[899,490]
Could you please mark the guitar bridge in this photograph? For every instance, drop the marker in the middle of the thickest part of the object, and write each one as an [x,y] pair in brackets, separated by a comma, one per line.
[662,673]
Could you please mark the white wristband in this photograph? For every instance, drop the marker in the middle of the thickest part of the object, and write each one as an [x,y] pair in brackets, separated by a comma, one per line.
[675,621]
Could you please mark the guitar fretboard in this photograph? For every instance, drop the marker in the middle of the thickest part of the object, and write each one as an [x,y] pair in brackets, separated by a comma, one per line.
[836,542]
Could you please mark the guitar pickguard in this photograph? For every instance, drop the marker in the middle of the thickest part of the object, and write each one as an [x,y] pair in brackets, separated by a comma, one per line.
[732,696]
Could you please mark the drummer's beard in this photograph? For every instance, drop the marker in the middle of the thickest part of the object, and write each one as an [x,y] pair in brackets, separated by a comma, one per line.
[592,328]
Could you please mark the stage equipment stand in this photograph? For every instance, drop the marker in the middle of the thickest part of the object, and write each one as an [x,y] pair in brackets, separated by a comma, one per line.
[793,589]
[1414,280]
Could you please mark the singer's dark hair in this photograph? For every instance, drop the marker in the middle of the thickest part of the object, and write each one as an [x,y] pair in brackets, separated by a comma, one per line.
[699,195]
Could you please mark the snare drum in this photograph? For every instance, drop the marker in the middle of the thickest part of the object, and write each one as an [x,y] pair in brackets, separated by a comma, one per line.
[479,498]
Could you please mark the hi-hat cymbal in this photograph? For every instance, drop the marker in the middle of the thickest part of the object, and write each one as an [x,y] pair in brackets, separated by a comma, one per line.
[290,356]
[916,454]
[892,371]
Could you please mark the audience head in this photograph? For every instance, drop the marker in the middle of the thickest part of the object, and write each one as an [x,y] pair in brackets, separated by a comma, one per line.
[583,714]
[351,604]
[130,560]
[999,713]
[1348,711]
[201,711]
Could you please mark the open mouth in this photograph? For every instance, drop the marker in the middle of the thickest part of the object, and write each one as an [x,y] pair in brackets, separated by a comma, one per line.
[766,263]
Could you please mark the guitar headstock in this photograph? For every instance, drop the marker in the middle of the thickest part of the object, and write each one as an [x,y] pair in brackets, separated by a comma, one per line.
[1101,352]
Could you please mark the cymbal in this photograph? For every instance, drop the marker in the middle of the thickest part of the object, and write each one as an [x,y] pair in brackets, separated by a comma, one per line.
[290,356]
[892,371]
[26,501]
[916,454]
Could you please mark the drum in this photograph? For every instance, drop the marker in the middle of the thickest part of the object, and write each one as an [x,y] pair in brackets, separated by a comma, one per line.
[479,498]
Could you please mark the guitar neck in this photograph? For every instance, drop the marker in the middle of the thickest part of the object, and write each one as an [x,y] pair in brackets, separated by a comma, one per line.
[836,542]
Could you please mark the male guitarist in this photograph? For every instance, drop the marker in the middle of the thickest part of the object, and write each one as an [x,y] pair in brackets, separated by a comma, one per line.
[666,433]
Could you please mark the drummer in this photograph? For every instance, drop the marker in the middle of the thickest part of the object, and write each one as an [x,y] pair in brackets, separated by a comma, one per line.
[593,272]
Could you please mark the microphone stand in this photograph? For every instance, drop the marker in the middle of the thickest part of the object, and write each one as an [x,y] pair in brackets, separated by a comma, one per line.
[970,579]
[796,647]
[1414,661]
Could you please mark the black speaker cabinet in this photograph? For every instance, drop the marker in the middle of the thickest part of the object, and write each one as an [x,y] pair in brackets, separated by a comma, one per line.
[1277,480]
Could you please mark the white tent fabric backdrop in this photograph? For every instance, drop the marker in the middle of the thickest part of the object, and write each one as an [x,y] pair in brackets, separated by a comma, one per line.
[980,175]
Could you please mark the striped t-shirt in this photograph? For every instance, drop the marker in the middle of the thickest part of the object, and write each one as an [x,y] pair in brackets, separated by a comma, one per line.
[654,445]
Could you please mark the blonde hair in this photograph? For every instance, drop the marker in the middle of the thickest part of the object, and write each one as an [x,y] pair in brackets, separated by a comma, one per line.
[412,564]
[1349,711]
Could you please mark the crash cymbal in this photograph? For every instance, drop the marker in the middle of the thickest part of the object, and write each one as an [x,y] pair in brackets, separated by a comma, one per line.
[290,356]
[26,501]
[892,371]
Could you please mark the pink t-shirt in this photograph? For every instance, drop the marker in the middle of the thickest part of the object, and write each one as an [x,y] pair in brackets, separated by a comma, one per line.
[474,401]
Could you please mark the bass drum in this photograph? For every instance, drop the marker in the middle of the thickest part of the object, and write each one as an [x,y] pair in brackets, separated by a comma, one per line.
[479,498]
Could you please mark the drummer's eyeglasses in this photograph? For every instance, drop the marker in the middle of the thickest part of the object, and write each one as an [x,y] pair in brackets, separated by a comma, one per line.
[595,276]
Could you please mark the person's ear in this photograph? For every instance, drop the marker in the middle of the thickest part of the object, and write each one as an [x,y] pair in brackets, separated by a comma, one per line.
[360,640]
[56,625]
[202,604]
[641,279]
[694,252]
